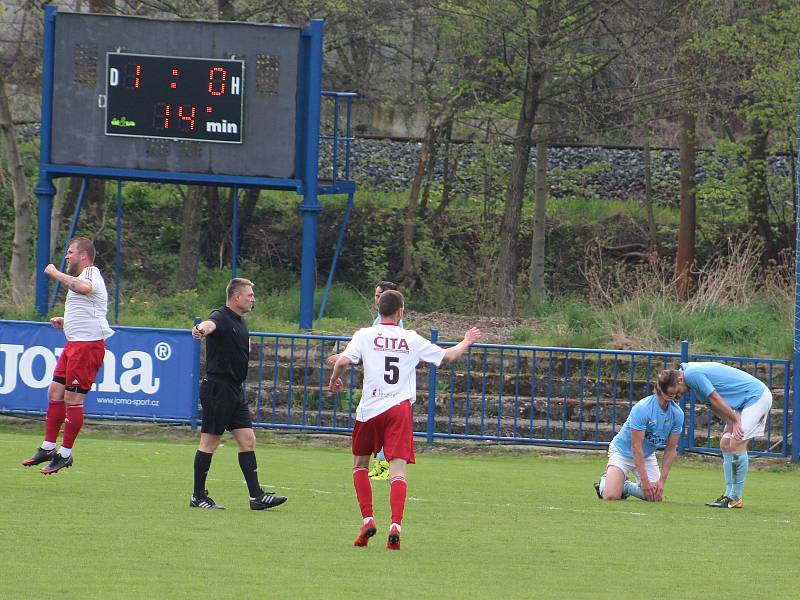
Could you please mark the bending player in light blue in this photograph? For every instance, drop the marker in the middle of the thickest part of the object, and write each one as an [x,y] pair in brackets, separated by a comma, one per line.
[743,402]
[653,422]
[380,468]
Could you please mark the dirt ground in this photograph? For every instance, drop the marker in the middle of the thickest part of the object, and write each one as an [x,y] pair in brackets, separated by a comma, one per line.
[494,330]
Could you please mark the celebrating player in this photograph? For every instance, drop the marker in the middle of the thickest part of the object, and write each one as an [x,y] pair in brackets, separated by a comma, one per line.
[86,328]
[222,396]
[383,418]
[740,400]
[653,422]
[380,467]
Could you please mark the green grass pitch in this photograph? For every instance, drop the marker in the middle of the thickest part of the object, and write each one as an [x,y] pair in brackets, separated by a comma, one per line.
[490,524]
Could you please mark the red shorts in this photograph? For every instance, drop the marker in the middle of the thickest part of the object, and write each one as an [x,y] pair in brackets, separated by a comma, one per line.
[391,430]
[79,363]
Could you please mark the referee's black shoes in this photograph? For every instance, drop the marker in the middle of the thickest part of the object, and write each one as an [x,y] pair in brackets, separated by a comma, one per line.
[203,501]
[266,500]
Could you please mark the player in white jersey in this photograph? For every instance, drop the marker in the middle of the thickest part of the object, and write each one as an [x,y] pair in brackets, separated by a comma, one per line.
[383,418]
[380,468]
[86,328]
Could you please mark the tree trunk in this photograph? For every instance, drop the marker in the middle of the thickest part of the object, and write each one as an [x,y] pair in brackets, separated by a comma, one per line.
[408,275]
[537,290]
[246,212]
[20,275]
[429,170]
[648,194]
[217,216]
[488,178]
[63,186]
[688,224]
[758,196]
[189,254]
[509,230]
[449,169]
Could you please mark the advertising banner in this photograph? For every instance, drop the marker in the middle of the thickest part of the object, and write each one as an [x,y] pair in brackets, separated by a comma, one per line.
[146,373]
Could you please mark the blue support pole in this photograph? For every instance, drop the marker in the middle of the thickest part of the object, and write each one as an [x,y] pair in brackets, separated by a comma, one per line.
[310,207]
[235,226]
[796,354]
[348,138]
[118,262]
[45,190]
[71,234]
[683,442]
[432,392]
[335,141]
[339,240]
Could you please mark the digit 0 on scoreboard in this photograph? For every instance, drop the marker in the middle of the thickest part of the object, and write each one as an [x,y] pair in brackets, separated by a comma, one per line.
[174,97]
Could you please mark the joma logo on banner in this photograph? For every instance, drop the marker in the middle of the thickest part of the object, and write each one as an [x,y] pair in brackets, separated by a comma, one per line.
[136,374]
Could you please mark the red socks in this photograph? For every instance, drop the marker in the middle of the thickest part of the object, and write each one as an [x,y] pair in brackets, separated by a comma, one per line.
[72,424]
[397,498]
[363,491]
[56,412]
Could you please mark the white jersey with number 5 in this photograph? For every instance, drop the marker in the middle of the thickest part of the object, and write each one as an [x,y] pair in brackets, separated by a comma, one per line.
[390,355]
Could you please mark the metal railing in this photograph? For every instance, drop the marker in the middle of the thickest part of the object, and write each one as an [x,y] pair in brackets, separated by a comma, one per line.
[504,393]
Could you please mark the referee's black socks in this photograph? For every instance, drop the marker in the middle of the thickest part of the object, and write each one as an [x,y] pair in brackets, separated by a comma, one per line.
[202,463]
[247,462]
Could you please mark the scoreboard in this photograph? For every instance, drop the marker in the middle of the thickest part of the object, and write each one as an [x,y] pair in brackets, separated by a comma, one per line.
[208,97]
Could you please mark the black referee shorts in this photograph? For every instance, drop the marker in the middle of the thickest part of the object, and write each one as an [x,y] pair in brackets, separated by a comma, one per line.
[223,407]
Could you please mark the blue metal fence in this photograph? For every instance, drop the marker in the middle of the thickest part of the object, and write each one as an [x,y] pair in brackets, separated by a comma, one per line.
[505,393]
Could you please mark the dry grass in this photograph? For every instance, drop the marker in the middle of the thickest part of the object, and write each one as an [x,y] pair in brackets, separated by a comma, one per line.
[631,300]
[736,279]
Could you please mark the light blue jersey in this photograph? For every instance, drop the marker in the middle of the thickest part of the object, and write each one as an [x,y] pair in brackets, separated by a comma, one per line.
[377,321]
[737,388]
[658,424]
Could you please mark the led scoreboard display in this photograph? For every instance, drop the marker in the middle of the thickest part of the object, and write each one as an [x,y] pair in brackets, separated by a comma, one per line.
[174,97]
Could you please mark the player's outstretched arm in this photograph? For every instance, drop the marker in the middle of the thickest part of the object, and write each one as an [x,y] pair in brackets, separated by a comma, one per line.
[203,329]
[453,353]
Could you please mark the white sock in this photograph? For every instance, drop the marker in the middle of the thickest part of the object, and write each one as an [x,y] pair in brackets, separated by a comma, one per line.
[65,452]
[368,519]
[396,526]
[48,445]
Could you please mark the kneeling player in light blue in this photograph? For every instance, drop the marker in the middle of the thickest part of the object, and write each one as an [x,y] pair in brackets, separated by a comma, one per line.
[654,422]
[743,402]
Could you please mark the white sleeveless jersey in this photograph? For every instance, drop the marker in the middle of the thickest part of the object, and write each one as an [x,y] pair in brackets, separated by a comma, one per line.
[85,314]
[390,355]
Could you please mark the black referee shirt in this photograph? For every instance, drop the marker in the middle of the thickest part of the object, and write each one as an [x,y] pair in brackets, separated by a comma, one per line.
[228,348]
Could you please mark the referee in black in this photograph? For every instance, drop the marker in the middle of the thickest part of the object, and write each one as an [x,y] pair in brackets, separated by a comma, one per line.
[222,396]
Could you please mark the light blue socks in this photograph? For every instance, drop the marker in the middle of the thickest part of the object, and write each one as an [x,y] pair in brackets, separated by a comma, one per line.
[380,455]
[727,470]
[632,489]
[629,488]
[740,464]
